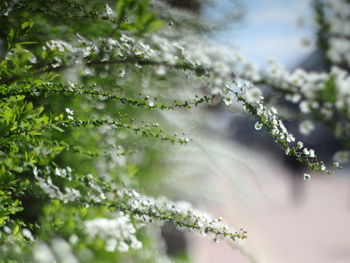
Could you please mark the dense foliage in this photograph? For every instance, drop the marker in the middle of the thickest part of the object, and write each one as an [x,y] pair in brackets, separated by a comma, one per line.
[83,85]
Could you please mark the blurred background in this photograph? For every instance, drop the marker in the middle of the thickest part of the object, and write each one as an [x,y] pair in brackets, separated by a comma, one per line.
[239,173]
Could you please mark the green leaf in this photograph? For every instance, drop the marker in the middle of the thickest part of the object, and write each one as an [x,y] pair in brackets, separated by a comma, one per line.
[155,26]
[27,43]
[26,26]
[57,128]
[330,90]
[3,220]
[15,229]
[10,38]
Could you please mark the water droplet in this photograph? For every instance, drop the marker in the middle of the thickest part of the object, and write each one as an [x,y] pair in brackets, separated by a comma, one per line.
[258,126]
[307,177]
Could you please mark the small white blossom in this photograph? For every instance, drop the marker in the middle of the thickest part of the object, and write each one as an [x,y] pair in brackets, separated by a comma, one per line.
[312,153]
[300,145]
[253,95]
[109,12]
[116,232]
[43,254]
[26,232]
[306,127]
[69,111]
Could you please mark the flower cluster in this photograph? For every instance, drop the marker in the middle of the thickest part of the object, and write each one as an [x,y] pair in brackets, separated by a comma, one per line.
[268,117]
[325,96]
[182,214]
[220,68]
[53,191]
[145,208]
[70,114]
[58,251]
[118,233]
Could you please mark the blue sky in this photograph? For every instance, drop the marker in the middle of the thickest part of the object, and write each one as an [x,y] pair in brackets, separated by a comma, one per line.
[270,30]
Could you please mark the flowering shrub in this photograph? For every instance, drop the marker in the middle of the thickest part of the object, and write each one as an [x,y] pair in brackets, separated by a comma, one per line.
[79,98]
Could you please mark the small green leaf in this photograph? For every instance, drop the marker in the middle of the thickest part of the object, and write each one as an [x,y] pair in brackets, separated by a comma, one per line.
[57,128]
[155,26]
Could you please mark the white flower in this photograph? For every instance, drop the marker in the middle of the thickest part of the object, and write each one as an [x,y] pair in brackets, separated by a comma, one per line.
[69,111]
[312,153]
[115,232]
[304,107]
[253,95]
[161,71]
[287,151]
[35,171]
[26,232]
[111,245]
[300,145]
[306,127]
[123,247]
[43,254]
[58,171]
[73,239]
[109,11]
[63,251]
